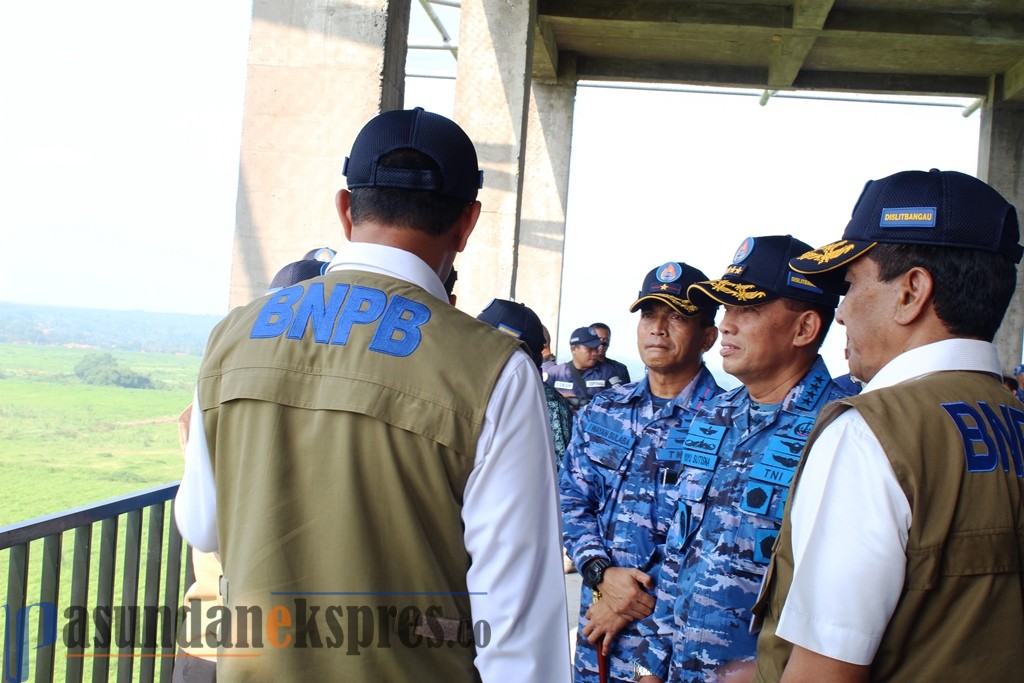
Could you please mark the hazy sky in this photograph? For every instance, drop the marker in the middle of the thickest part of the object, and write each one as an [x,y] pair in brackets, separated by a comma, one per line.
[120,123]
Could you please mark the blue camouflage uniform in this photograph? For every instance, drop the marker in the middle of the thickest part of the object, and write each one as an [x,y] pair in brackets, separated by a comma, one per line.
[597,379]
[618,492]
[732,490]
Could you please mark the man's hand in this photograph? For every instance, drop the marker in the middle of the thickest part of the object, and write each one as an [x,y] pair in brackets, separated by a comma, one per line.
[604,624]
[650,679]
[622,588]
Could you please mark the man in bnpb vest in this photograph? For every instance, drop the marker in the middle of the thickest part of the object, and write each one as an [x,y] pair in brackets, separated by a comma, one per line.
[618,484]
[738,458]
[374,465]
[901,556]
[583,375]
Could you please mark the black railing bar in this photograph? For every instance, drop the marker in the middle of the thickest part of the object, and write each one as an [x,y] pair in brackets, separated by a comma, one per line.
[81,565]
[128,629]
[49,593]
[33,529]
[17,589]
[172,595]
[151,594]
[105,599]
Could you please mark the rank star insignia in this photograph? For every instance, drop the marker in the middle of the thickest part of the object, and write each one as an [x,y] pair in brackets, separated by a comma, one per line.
[829,252]
[663,287]
[741,292]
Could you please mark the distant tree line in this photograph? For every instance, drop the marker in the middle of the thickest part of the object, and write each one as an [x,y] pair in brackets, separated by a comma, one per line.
[105,329]
[103,369]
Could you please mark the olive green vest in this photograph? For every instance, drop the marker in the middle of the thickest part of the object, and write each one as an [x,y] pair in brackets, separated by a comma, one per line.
[342,417]
[960,616]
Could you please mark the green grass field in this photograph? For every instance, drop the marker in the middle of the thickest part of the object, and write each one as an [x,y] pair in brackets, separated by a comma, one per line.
[64,443]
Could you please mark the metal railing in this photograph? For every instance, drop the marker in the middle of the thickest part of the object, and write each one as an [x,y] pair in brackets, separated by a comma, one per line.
[114,626]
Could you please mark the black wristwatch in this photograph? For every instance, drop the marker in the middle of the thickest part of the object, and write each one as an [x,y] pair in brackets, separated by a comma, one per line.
[593,571]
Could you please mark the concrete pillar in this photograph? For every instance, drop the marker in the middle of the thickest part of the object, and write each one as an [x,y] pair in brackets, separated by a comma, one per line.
[491,103]
[1001,165]
[538,282]
[317,72]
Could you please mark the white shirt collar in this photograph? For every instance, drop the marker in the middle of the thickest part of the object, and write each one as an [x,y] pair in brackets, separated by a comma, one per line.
[948,354]
[391,261]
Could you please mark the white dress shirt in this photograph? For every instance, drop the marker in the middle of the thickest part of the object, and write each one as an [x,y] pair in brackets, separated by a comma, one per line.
[840,602]
[510,510]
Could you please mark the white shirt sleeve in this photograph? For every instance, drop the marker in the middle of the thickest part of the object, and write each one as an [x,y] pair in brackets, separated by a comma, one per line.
[850,523]
[513,535]
[195,506]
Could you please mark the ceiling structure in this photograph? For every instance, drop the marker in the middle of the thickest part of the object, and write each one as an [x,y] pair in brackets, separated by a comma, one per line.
[908,47]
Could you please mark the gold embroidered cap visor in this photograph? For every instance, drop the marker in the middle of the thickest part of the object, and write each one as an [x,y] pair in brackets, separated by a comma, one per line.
[729,292]
[830,257]
[681,306]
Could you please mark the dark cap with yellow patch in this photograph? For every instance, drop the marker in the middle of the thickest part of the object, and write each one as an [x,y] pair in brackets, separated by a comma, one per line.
[936,208]
[667,284]
[760,273]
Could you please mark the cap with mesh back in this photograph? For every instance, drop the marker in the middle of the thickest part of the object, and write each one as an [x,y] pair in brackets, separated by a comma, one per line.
[760,273]
[431,134]
[937,208]
[667,284]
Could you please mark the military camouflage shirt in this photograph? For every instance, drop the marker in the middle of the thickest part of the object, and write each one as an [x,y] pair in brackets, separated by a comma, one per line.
[618,491]
[738,461]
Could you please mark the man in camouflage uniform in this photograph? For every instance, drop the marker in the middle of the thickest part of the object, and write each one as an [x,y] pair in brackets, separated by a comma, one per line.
[739,456]
[618,485]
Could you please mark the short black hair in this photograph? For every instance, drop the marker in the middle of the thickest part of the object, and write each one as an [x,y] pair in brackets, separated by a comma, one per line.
[971,288]
[422,210]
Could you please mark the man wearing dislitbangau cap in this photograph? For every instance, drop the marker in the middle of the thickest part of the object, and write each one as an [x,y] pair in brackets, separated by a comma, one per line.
[901,556]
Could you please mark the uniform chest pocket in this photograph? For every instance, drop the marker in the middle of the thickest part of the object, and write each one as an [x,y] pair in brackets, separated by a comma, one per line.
[694,483]
[605,455]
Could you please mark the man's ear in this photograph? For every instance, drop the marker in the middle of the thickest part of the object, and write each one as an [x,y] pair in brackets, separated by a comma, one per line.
[710,337]
[807,328]
[914,295]
[463,228]
[343,203]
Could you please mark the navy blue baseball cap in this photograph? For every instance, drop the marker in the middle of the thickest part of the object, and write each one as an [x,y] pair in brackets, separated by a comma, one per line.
[516,320]
[296,272]
[938,208]
[667,284]
[437,137]
[760,273]
[320,254]
[584,336]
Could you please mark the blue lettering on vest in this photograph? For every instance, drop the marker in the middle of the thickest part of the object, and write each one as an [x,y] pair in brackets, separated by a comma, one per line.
[276,313]
[398,333]
[973,435]
[313,309]
[363,306]
[1004,439]
[669,454]
[1015,417]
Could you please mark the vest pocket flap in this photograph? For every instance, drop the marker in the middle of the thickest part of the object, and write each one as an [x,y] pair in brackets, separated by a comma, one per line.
[966,554]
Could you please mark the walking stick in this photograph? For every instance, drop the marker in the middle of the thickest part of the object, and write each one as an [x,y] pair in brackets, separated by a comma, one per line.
[602,664]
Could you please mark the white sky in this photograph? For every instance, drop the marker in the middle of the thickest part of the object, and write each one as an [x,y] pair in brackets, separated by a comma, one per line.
[119,131]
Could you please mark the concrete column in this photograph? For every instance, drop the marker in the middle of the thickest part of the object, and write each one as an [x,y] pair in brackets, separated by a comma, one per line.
[317,72]
[1001,165]
[538,282]
[491,103]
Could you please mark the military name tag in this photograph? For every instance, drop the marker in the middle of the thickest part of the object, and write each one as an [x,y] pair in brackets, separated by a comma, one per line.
[617,436]
[595,383]
[704,461]
[563,385]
